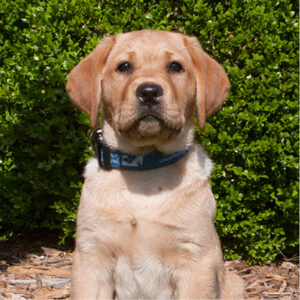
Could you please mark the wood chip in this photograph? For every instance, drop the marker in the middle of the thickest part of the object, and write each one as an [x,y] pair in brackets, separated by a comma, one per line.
[276,277]
[276,294]
[282,288]
[63,294]
[57,282]
[287,265]
[39,269]
[51,251]
[38,281]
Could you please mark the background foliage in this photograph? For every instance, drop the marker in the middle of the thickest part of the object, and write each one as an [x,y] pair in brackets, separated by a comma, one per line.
[253,140]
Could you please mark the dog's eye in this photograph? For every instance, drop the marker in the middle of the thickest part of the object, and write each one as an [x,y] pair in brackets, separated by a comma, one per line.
[174,67]
[125,67]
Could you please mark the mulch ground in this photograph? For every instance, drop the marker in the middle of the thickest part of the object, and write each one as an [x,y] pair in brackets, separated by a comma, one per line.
[32,267]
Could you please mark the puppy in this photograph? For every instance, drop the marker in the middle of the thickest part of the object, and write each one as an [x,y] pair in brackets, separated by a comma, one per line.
[145,220]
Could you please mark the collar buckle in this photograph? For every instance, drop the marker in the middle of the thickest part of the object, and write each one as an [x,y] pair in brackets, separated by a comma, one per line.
[97,143]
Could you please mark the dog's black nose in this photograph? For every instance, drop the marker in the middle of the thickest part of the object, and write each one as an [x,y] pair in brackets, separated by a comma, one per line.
[149,93]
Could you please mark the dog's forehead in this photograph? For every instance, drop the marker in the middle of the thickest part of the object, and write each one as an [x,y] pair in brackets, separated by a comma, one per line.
[150,43]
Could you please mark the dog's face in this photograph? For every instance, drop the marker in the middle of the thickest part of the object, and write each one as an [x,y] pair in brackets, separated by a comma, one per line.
[148,87]
[148,82]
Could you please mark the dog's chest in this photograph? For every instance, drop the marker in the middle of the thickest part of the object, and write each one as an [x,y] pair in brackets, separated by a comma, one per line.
[143,278]
[143,253]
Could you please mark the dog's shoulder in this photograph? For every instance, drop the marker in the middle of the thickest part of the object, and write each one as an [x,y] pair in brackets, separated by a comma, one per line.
[199,163]
[91,168]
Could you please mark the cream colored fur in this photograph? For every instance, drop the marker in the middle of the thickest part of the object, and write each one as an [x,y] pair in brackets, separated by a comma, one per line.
[149,234]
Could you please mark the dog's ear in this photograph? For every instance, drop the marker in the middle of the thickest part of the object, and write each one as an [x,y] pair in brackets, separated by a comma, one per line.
[84,84]
[212,82]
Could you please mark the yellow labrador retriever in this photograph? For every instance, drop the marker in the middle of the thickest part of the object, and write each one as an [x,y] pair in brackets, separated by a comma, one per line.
[145,220]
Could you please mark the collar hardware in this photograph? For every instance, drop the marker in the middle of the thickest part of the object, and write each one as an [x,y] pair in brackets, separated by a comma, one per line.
[100,149]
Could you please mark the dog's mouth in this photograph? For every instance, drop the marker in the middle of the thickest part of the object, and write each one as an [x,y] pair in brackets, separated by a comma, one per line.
[149,125]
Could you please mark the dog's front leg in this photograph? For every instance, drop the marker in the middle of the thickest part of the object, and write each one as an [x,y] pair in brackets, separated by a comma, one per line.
[91,279]
[198,280]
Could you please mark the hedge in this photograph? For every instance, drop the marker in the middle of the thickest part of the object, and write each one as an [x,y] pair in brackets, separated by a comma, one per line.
[253,139]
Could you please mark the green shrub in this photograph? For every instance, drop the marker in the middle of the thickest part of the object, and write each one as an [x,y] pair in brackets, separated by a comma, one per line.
[253,140]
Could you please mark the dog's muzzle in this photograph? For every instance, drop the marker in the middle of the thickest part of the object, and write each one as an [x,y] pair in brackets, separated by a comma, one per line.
[149,96]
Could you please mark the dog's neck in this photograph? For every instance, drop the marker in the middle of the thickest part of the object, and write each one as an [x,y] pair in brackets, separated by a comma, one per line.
[113,152]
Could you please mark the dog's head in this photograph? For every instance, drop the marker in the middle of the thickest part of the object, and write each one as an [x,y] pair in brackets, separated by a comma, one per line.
[147,82]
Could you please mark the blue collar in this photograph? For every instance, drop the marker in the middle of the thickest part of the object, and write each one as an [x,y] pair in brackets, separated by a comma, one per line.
[125,161]
[108,158]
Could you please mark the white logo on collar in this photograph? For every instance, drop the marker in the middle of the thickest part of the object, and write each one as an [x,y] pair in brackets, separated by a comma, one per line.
[128,161]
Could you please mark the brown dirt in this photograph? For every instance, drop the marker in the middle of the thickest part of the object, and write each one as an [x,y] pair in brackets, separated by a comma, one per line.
[30,270]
